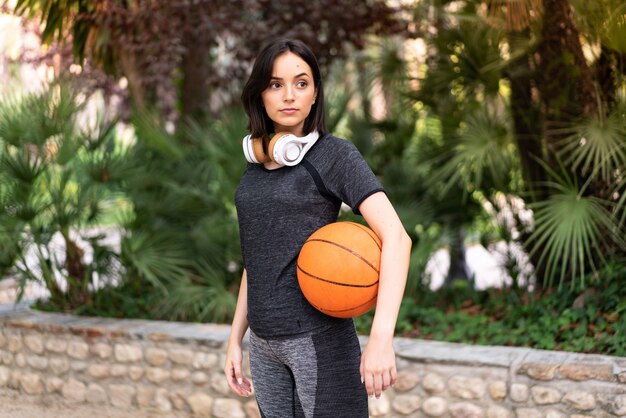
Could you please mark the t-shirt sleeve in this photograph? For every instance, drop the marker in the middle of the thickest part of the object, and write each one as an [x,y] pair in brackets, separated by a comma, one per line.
[349,177]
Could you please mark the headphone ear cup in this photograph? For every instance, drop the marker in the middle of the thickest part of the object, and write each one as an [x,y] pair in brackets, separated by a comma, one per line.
[257,148]
[270,148]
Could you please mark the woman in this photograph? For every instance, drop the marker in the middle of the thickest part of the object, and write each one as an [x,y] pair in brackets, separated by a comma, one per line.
[303,362]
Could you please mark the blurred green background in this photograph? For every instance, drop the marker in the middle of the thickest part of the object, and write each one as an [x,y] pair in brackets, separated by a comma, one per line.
[493,124]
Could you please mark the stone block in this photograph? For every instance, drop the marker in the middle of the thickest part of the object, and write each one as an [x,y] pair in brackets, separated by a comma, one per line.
[20,360]
[102,351]
[5,374]
[178,400]
[128,353]
[15,343]
[539,371]
[119,370]
[466,387]
[182,356]
[405,381]
[31,384]
[379,407]
[201,404]
[497,390]
[37,362]
[145,395]
[54,384]
[96,394]
[528,413]
[34,342]
[433,383]
[587,372]
[545,395]
[14,379]
[252,409]
[78,366]
[519,392]
[6,357]
[122,396]
[157,375]
[580,400]
[136,372]
[204,361]
[618,405]
[78,350]
[59,365]
[219,384]
[228,408]
[553,413]
[466,410]
[496,411]
[162,402]
[200,378]
[435,406]
[406,404]
[99,371]
[180,374]
[74,390]
[56,345]
[156,356]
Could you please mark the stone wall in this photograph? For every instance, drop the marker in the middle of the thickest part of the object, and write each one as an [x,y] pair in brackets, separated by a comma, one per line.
[177,367]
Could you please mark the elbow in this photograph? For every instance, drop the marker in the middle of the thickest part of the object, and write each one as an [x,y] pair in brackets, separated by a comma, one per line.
[401,238]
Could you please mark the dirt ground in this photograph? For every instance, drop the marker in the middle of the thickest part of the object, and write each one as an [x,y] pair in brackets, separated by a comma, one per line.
[16,405]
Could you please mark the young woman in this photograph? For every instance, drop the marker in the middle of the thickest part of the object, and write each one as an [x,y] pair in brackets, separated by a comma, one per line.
[303,362]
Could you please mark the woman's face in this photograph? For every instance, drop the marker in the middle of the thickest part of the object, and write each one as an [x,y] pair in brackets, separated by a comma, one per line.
[290,94]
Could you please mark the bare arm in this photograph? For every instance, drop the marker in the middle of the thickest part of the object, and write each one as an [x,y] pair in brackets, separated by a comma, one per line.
[378,366]
[234,353]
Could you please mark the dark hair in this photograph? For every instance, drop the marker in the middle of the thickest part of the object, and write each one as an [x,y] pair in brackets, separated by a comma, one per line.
[259,123]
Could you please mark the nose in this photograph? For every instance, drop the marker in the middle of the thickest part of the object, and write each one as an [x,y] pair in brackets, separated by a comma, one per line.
[288,96]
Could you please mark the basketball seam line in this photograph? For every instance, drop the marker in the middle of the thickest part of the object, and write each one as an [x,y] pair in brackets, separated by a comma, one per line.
[337,283]
[346,249]
[368,233]
[345,310]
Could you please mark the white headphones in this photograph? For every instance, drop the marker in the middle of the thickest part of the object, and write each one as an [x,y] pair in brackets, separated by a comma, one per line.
[284,148]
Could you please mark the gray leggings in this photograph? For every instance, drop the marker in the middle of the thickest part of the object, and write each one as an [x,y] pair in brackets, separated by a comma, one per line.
[315,376]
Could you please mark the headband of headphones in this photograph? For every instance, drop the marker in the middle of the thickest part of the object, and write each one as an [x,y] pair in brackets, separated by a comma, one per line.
[284,148]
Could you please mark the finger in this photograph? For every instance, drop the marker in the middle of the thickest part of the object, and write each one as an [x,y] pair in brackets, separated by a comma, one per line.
[241,389]
[378,385]
[361,371]
[386,379]
[369,384]
[237,372]
[394,376]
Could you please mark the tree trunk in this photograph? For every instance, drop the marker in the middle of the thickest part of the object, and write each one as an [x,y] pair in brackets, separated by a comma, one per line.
[458,263]
[527,119]
[196,70]
[567,87]
[565,82]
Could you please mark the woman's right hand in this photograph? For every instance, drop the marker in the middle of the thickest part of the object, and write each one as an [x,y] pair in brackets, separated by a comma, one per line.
[233,371]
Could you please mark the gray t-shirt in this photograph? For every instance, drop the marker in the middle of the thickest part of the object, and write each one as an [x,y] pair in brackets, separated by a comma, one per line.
[277,211]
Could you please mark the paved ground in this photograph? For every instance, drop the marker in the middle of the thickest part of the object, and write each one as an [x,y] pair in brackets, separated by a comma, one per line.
[17,405]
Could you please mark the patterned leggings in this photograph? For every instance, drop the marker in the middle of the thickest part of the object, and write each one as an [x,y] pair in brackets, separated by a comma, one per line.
[315,376]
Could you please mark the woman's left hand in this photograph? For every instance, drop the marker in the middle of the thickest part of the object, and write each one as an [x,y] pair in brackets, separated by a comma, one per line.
[378,365]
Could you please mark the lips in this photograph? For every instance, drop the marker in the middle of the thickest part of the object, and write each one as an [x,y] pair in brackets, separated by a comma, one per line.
[288,111]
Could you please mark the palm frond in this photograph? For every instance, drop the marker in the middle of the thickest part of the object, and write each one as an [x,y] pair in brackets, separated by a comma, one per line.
[481,153]
[596,145]
[154,257]
[572,231]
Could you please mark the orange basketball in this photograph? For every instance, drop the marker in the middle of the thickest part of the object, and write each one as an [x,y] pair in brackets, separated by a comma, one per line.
[338,269]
